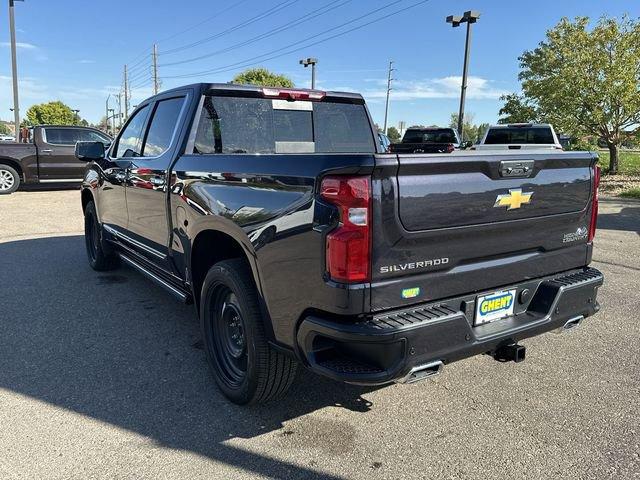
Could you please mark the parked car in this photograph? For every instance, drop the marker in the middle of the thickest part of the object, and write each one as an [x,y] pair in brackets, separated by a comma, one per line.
[48,157]
[519,136]
[7,138]
[427,140]
[277,214]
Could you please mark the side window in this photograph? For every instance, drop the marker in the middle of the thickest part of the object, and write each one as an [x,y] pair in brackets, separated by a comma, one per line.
[163,125]
[130,141]
[62,136]
[91,136]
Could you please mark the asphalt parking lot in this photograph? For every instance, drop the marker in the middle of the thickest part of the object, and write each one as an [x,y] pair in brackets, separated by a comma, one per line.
[103,376]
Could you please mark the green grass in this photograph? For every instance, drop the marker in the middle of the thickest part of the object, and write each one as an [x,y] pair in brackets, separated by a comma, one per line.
[628,162]
[631,193]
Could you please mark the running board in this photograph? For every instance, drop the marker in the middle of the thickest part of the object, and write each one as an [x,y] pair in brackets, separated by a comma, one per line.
[181,295]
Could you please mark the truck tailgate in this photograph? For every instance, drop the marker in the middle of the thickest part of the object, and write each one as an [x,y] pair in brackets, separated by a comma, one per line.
[472,222]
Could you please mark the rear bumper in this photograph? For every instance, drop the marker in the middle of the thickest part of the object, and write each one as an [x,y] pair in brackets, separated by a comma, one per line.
[388,346]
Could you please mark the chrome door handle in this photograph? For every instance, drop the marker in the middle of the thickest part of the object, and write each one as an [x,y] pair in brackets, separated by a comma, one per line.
[46,150]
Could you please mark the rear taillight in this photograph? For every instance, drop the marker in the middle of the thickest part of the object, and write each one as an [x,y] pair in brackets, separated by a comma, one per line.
[594,203]
[348,245]
[450,148]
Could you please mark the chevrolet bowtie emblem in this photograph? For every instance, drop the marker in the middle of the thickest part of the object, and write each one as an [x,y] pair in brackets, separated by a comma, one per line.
[514,199]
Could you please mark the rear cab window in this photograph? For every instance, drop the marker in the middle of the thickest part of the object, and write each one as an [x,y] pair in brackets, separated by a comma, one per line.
[430,135]
[268,126]
[519,135]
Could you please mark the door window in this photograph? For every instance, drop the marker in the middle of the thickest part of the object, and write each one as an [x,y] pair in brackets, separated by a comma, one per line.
[130,141]
[63,136]
[163,126]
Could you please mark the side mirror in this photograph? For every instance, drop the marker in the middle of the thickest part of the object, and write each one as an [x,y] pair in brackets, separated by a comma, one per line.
[89,151]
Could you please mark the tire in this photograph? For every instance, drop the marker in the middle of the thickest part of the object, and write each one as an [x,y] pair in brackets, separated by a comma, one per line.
[101,257]
[9,179]
[245,367]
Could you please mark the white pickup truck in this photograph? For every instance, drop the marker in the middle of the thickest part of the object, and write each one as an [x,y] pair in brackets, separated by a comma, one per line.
[519,136]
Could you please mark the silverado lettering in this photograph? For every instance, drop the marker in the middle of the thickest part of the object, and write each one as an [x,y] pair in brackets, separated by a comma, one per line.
[412,265]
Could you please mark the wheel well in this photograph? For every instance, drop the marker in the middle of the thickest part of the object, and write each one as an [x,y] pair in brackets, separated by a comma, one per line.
[13,164]
[209,248]
[86,198]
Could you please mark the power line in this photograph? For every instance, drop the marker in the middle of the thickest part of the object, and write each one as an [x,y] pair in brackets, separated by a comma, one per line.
[206,20]
[259,58]
[293,23]
[250,61]
[142,74]
[254,19]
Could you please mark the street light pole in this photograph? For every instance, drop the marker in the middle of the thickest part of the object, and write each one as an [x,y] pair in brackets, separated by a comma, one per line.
[470,17]
[14,71]
[311,61]
[77,117]
[106,117]
[113,120]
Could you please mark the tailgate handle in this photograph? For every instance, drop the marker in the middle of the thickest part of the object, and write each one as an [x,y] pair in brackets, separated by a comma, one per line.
[516,168]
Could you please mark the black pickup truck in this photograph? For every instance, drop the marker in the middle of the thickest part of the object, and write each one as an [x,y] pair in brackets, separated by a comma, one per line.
[47,157]
[276,213]
[427,140]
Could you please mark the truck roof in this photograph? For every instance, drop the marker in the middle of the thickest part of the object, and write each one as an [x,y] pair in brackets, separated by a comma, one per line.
[258,90]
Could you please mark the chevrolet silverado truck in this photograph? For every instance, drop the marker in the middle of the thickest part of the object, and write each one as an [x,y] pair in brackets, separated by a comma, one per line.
[47,157]
[299,241]
[427,140]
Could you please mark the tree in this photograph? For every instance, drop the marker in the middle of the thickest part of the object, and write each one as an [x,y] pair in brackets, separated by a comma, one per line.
[469,130]
[4,129]
[587,81]
[52,113]
[263,77]
[517,109]
[482,129]
[393,134]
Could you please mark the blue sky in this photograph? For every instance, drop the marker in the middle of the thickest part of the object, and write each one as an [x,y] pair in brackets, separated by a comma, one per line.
[74,50]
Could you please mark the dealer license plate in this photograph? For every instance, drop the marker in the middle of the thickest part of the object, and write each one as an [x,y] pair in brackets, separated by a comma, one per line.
[494,306]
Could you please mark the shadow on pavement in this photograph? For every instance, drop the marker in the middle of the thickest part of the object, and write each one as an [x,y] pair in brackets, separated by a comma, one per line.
[116,348]
[628,219]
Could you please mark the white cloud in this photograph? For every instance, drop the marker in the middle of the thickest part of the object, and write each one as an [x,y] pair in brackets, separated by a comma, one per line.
[445,87]
[86,61]
[24,45]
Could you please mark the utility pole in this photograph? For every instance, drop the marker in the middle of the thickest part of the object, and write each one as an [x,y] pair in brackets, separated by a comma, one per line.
[386,107]
[310,61]
[76,116]
[154,60]
[126,93]
[470,17]
[14,71]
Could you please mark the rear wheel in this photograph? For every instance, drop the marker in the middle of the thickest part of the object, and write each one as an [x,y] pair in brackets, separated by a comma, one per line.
[100,256]
[246,368]
[9,179]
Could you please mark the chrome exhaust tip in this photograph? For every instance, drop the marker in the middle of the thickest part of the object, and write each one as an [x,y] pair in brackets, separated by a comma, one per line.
[422,372]
[571,324]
